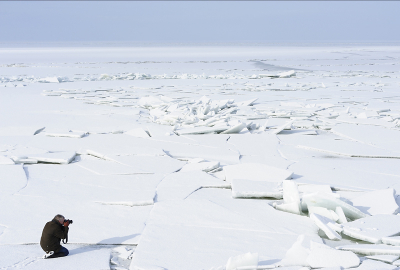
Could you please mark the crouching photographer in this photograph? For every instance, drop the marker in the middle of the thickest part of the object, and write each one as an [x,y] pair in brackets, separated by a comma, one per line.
[52,234]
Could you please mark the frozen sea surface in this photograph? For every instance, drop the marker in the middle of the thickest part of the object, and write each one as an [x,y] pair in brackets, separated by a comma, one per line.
[140,147]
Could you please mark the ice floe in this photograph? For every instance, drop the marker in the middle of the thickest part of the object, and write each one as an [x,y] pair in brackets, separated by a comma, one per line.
[371,250]
[256,172]
[373,228]
[242,188]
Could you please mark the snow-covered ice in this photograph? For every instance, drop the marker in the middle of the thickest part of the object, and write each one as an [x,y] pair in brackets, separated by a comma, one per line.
[202,157]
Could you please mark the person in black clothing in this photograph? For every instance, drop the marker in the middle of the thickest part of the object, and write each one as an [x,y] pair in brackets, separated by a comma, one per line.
[52,234]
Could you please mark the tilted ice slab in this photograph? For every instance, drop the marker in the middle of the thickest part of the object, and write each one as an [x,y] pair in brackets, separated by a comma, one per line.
[291,198]
[328,201]
[325,225]
[80,257]
[323,212]
[373,228]
[256,172]
[371,249]
[242,188]
[377,202]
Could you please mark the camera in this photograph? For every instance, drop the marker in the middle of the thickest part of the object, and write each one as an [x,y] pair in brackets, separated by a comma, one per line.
[68,220]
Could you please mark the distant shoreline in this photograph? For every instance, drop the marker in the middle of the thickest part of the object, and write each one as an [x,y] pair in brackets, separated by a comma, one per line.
[194,44]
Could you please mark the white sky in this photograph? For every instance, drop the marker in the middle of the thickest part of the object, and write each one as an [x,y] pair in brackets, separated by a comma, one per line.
[191,21]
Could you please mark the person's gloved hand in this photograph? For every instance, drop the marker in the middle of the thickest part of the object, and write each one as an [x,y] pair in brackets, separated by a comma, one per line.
[66,223]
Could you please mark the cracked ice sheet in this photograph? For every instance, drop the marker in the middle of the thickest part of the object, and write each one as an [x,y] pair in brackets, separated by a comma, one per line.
[101,143]
[178,186]
[107,167]
[329,144]
[378,136]
[79,190]
[115,189]
[209,227]
[129,164]
[12,179]
[259,148]
[115,224]
[353,173]
[153,164]
[29,257]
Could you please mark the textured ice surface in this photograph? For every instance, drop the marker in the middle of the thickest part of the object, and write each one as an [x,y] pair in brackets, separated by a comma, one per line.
[331,126]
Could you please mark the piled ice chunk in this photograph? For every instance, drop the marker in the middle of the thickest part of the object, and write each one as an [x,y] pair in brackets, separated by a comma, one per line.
[330,202]
[201,116]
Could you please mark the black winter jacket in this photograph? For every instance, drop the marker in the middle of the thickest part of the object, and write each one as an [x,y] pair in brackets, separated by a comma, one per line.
[52,234]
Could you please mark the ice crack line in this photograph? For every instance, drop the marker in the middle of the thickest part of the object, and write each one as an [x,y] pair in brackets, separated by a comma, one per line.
[27,179]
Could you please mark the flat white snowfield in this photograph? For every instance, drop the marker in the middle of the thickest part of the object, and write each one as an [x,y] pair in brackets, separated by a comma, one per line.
[213,157]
